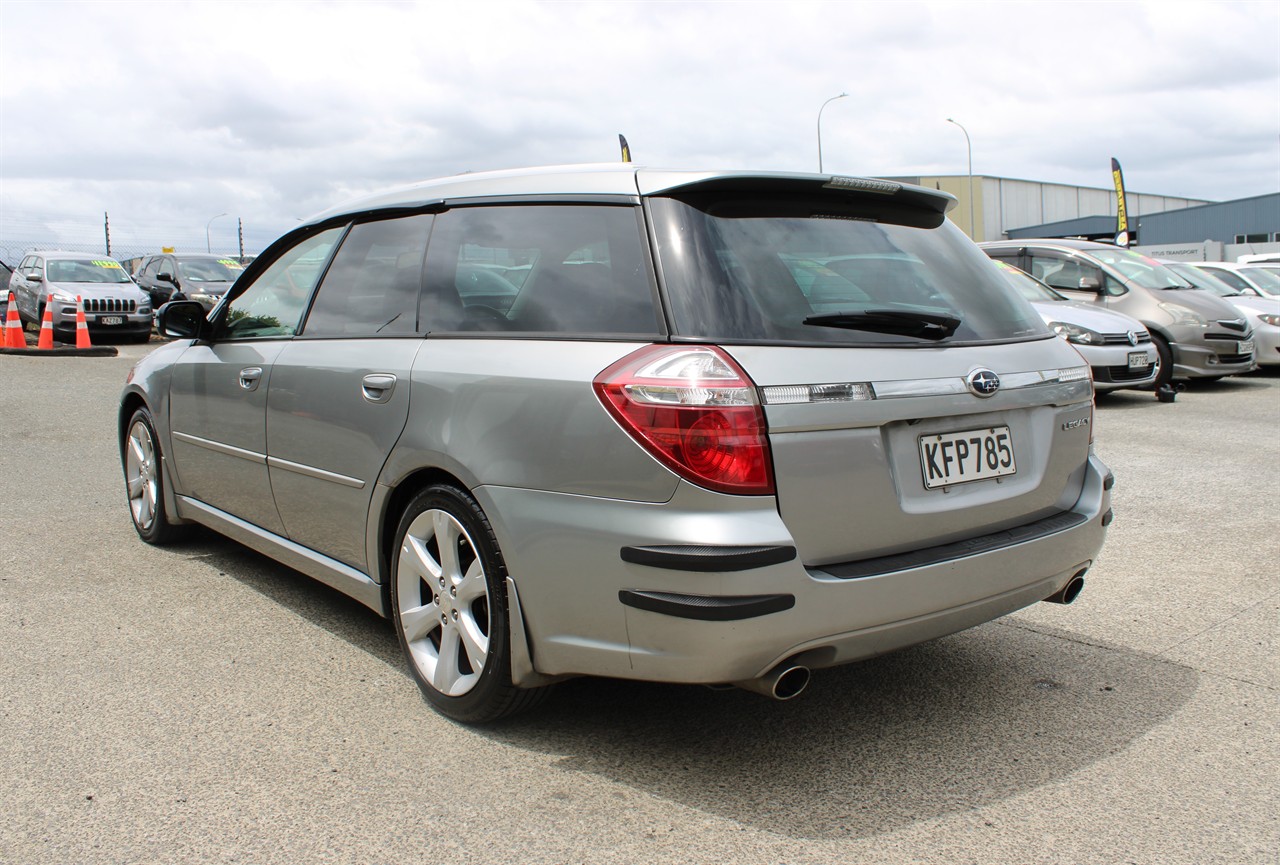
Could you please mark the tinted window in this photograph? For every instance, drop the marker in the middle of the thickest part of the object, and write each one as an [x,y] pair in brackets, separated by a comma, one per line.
[540,269]
[273,305]
[775,270]
[372,286]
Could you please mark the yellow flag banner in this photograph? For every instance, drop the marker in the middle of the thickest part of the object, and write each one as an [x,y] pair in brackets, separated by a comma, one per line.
[1122,217]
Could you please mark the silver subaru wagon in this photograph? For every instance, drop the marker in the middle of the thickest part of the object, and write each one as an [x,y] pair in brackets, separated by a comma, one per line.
[675,426]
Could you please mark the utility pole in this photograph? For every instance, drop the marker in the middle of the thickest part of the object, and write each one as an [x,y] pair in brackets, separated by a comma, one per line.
[240,233]
[106,230]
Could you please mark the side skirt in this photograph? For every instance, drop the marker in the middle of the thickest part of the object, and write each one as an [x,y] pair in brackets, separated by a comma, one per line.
[331,572]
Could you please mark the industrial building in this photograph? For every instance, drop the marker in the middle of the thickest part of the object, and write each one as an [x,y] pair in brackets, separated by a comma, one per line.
[1164,225]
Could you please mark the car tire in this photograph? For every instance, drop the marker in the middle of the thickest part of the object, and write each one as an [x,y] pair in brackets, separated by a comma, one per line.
[1165,359]
[449,604]
[144,482]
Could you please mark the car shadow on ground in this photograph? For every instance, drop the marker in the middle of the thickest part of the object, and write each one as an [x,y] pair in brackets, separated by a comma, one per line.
[323,606]
[946,727]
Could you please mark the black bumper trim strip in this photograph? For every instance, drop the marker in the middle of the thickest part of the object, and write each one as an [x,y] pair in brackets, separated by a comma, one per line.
[1059,522]
[707,608]
[707,559]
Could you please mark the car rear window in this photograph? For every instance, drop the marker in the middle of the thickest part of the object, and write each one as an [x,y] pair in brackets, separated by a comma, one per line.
[814,272]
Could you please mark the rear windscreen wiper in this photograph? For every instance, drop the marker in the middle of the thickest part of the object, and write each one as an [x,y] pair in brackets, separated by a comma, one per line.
[924,325]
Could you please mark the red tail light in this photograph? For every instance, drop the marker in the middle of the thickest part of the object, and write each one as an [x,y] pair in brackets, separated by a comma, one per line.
[696,411]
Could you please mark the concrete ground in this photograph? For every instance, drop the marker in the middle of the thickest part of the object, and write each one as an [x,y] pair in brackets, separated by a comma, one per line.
[200,703]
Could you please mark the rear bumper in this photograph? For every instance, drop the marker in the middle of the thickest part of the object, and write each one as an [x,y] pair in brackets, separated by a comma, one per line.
[587,611]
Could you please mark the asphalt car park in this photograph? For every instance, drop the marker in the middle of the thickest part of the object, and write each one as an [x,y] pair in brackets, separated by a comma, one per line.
[202,703]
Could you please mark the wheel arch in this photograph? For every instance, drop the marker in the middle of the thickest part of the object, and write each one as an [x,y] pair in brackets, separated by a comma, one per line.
[129,403]
[388,519]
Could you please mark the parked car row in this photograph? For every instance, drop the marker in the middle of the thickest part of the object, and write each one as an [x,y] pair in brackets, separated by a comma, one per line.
[116,302]
[1196,333]
[1118,348]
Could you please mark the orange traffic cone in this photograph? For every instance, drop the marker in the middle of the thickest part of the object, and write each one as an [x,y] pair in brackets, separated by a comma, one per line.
[14,333]
[82,326]
[46,326]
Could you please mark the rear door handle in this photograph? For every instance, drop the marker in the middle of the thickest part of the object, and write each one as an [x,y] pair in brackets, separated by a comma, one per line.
[377,387]
[250,377]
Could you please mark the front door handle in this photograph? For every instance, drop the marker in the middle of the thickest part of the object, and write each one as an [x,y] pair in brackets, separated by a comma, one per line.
[377,387]
[250,377]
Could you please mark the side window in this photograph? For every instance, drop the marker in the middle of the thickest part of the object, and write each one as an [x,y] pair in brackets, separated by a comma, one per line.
[578,269]
[149,268]
[1062,273]
[373,284]
[164,267]
[273,305]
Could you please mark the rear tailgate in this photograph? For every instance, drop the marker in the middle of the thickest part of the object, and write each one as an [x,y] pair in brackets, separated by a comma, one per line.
[880,470]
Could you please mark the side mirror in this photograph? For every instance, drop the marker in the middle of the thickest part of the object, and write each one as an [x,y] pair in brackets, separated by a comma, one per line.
[166,277]
[181,319]
[35,277]
[1090,283]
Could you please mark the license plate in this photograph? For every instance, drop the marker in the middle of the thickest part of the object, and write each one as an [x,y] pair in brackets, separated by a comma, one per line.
[1138,360]
[1246,347]
[110,319]
[960,457]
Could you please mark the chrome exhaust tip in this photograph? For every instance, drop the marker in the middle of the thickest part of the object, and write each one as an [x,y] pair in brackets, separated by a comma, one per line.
[1069,592]
[784,682]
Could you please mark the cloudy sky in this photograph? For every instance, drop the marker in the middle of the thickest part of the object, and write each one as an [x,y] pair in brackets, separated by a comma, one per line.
[168,115]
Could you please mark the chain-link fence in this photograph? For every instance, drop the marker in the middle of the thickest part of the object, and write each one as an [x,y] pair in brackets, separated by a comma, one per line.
[11,252]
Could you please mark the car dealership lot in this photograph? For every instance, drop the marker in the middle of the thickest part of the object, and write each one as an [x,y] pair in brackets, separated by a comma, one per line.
[202,703]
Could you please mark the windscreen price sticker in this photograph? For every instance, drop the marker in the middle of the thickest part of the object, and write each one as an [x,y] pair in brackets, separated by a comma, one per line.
[961,457]
[109,265]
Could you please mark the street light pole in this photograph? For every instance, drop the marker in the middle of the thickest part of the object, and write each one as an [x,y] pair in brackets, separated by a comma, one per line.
[824,105]
[973,229]
[208,244]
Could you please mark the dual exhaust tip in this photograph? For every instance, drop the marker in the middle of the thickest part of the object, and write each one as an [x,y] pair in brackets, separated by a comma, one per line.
[789,680]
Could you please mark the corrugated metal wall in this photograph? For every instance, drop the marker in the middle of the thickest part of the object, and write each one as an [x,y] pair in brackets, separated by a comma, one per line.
[1221,222]
[1003,203]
